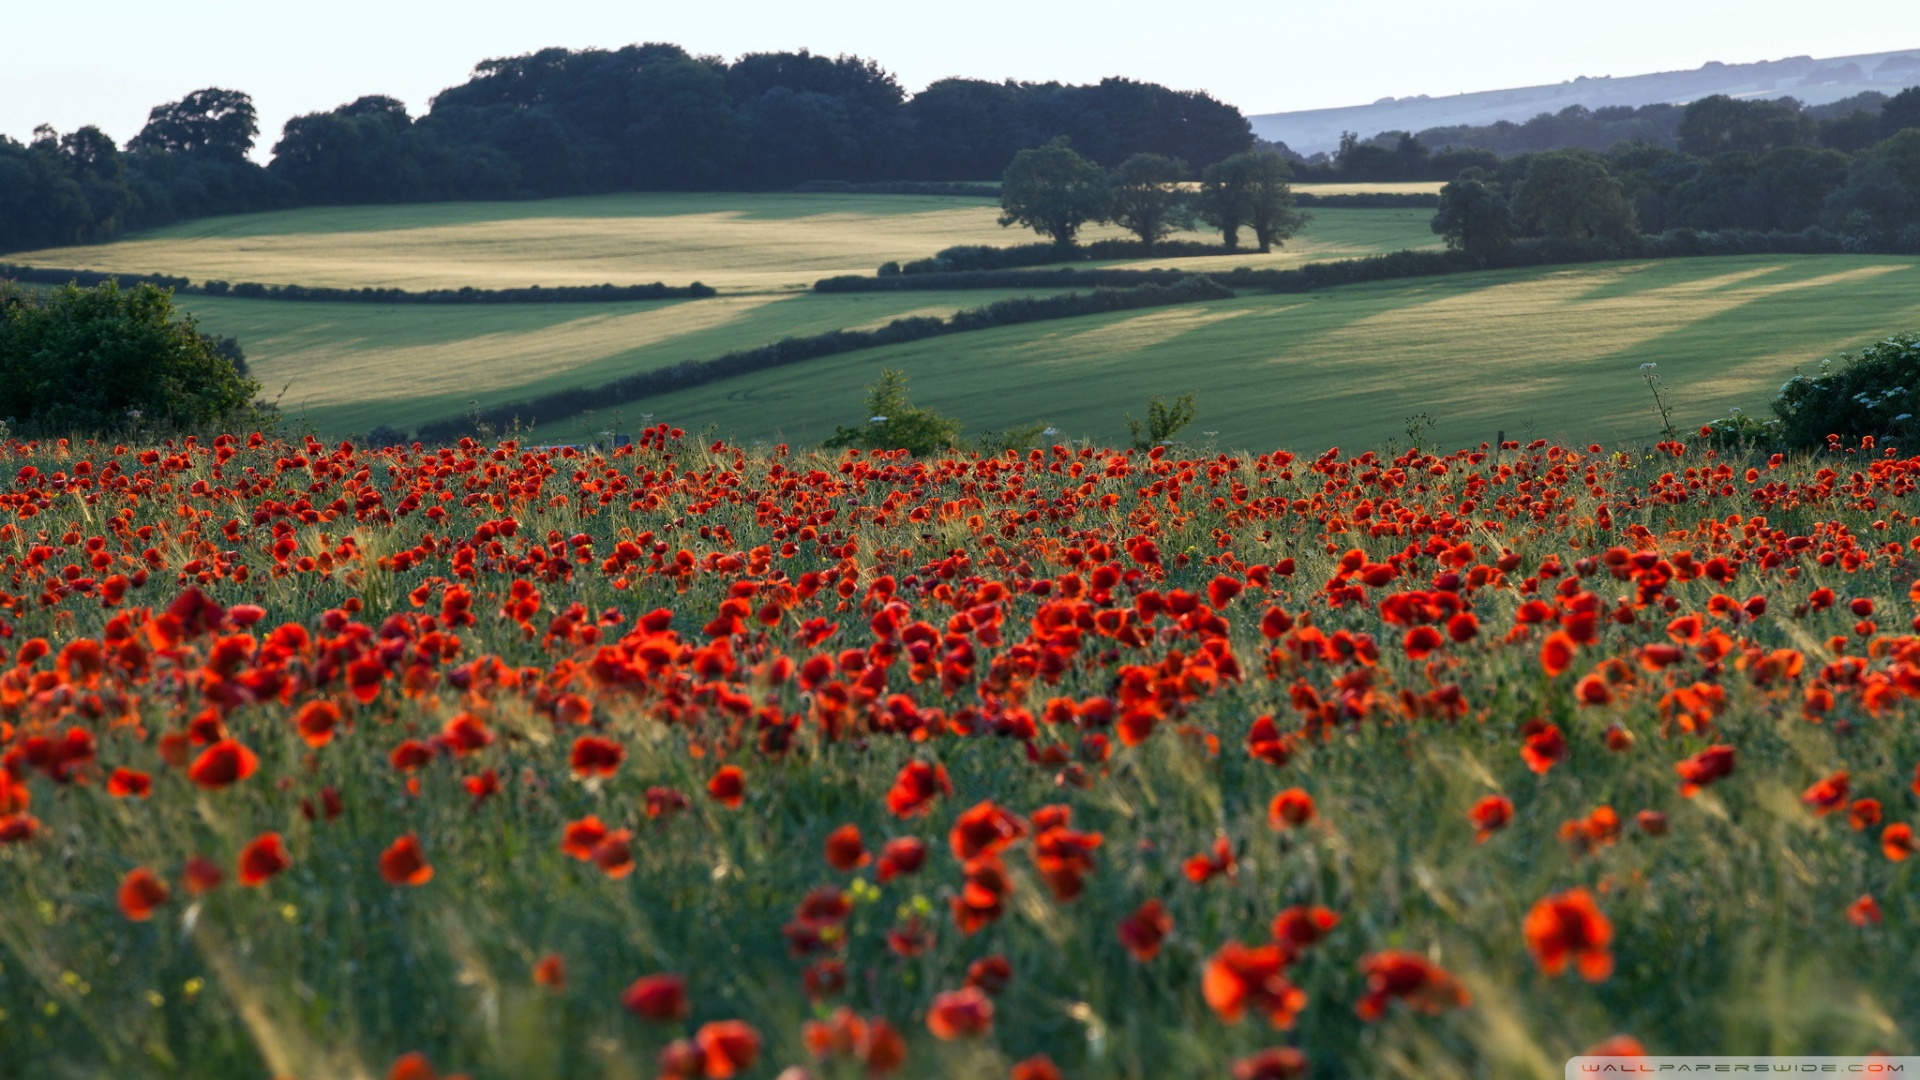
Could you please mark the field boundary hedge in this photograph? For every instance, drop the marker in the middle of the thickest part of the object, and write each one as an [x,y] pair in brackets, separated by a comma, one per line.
[1185,289]
[1680,243]
[1369,200]
[899,187]
[249,290]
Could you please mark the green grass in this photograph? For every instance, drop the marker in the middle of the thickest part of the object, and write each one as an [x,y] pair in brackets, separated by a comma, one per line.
[734,242]
[1553,351]
[345,368]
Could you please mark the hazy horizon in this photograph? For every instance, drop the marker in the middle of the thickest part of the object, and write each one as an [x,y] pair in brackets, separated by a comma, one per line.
[308,60]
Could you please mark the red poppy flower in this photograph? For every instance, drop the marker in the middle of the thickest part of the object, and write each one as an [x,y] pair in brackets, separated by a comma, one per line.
[1896,842]
[959,1014]
[223,763]
[316,722]
[1864,912]
[662,802]
[1864,814]
[1651,822]
[126,783]
[1037,1067]
[262,858]
[141,893]
[1142,932]
[466,734]
[18,828]
[1617,1046]
[990,973]
[579,838]
[551,972]
[1266,743]
[1556,654]
[1490,815]
[613,854]
[1713,763]
[728,787]
[1301,925]
[403,863]
[915,788]
[1409,977]
[1593,690]
[845,851]
[1201,869]
[660,998]
[1544,747]
[1238,979]
[1570,928]
[986,829]
[730,1047]
[595,756]
[1278,1063]
[902,856]
[1828,795]
[1290,809]
[201,875]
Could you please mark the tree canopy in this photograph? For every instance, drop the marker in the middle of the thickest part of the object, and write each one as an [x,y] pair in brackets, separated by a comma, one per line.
[1054,191]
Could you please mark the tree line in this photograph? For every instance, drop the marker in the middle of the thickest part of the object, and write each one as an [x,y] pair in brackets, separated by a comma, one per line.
[571,122]
[1700,129]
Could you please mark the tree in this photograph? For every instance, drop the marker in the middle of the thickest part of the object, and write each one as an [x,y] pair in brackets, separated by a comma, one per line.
[894,423]
[1474,216]
[217,123]
[1902,111]
[1718,124]
[1569,194]
[1054,191]
[97,359]
[1147,200]
[1250,190]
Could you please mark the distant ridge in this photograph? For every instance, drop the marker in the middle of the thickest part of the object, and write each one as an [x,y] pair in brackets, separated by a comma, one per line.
[1813,81]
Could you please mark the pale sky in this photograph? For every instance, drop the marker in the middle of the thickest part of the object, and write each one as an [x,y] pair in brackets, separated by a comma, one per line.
[106,62]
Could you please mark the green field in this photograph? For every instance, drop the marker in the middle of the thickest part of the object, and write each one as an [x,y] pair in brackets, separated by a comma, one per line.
[753,242]
[345,368]
[1550,352]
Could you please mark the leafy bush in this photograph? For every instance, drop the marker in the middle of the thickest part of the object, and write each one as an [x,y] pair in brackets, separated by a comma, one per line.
[105,358]
[1164,421]
[895,423]
[1875,391]
[252,290]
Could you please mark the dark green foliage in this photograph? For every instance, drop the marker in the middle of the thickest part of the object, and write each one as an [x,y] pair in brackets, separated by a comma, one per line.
[893,422]
[249,290]
[1474,216]
[1368,200]
[214,123]
[1569,194]
[1575,127]
[104,359]
[966,257]
[1719,124]
[1875,391]
[1901,112]
[899,187]
[1250,191]
[1147,200]
[1164,421]
[1879,205]
[1011,312]
[1054,191]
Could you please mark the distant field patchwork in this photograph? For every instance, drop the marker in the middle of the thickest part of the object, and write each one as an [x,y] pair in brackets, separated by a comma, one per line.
[732,242]
[1551,352]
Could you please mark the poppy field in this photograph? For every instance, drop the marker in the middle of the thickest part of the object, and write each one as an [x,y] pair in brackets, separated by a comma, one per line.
[690,760]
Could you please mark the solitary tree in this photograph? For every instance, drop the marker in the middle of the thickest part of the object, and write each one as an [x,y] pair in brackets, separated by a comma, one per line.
[1054,191]
[1570,194]
[1474,216]
[1249,190]
[217,123]
[1147,200]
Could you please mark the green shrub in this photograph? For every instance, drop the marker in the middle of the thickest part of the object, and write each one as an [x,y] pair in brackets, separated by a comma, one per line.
[1164,421]
[1871,392]
[104,359]
[895,423]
